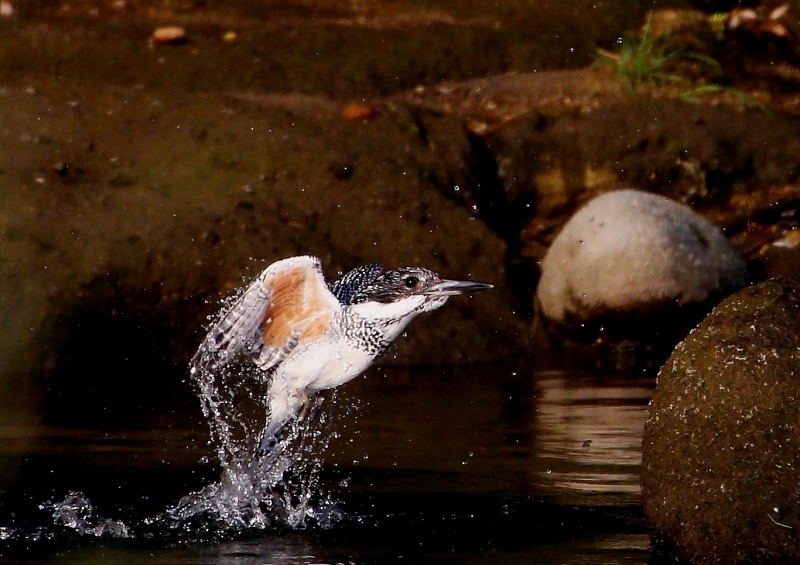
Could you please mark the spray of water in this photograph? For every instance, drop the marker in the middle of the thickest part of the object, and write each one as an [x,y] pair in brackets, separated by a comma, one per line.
[259,491]
[76,513]
[255,492]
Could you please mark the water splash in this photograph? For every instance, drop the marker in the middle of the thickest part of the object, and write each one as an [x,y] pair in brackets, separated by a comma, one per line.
[76,513]
[280,490]
[256,491]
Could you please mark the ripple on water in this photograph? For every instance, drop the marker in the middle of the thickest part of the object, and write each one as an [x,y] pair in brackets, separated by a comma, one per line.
[254,493]
[418,431]
[589,434]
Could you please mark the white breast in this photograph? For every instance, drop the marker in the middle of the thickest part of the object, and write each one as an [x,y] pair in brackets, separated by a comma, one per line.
[322,365]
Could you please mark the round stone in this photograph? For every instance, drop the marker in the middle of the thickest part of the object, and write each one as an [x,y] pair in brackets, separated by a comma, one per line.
[628,253]
[721,447]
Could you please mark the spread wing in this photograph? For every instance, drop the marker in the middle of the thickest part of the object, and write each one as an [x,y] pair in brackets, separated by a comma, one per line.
[287,304]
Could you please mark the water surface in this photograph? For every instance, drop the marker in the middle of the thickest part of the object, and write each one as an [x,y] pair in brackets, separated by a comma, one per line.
[429,464]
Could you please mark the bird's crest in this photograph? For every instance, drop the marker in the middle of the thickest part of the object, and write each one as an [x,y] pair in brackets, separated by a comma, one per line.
[347,287]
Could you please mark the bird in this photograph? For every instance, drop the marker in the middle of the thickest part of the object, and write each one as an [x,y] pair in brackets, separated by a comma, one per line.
[307,336]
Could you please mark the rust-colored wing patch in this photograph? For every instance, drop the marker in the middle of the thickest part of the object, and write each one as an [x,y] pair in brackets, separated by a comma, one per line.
[299,306]
[288,304]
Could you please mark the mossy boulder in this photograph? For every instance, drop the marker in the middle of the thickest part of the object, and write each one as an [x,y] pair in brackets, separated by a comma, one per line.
[721,448]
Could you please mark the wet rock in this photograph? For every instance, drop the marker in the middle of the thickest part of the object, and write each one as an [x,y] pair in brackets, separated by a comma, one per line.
[721,448]
[628,254]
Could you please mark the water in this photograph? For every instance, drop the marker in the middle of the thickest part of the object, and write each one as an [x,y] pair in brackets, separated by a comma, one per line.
[444,465]
[257,490]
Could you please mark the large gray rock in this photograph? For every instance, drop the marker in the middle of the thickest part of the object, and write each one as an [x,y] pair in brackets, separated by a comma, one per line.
[628,253]
[721,448]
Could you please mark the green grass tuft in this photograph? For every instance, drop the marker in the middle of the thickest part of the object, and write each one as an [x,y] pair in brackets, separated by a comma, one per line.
[643,59]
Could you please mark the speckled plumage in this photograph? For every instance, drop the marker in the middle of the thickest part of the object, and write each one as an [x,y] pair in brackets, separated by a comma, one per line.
[349,285]
[308,336]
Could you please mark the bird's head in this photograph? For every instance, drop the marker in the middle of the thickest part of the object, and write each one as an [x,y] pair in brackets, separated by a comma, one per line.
[405,292]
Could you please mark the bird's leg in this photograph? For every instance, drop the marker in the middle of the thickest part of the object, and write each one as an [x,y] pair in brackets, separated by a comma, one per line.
[310,408]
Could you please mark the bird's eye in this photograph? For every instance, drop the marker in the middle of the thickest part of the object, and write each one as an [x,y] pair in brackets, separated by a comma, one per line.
[411,282]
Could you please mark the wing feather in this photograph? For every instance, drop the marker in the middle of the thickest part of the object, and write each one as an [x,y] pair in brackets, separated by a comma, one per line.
[287,304]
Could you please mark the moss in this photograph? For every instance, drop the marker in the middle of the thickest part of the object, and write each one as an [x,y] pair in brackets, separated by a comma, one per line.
[721,450]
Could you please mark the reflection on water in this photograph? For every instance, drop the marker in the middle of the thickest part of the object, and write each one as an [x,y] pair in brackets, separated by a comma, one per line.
[453,465]
[574,437]
[589,433]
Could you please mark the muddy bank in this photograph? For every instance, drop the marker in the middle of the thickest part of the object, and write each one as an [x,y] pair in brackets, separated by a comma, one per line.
[139,187]
[192,207]
[344,49]
[139,181]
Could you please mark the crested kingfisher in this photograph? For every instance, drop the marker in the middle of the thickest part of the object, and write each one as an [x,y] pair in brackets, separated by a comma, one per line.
[308,336]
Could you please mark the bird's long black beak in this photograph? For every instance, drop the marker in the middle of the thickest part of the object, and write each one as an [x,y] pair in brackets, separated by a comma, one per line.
[452,288]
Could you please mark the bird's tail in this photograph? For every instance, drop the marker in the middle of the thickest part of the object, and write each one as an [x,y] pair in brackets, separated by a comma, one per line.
[283,407]
[270,439]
